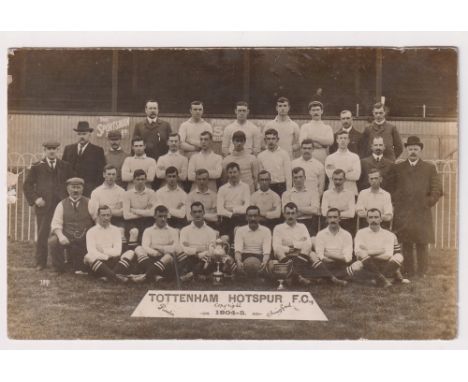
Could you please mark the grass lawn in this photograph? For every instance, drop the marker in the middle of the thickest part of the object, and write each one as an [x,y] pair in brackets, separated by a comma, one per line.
[81,307]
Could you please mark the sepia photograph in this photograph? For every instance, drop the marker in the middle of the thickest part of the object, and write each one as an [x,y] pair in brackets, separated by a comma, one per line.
[232,193]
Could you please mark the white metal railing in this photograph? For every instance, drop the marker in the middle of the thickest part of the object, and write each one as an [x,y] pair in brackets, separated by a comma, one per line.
[22,221]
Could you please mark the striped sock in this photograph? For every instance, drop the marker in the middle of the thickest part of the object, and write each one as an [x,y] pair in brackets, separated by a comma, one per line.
[121,268]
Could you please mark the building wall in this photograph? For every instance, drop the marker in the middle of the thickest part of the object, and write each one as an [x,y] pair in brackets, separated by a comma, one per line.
[26,132]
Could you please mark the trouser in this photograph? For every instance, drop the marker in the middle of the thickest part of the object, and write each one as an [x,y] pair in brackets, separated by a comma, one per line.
[279,188]
[422,257]
[311,224]
[111,267]
[374,267]
[327,268]
[76,251]
[152,265]
[43,231]
[227,225]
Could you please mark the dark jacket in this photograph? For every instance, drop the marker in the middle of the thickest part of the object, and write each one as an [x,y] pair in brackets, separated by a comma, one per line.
[88,166]
[415,190]
[43,182]
[391,138]
[155,137]
[369,163]
[355,143]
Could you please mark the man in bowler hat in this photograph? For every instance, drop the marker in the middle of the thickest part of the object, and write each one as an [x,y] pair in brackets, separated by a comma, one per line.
[87,160]
[44,188]
[415,187]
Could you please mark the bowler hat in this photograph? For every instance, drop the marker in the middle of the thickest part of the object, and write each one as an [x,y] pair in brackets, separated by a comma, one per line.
[75,181]
[114,134]
[413,140]
[83,126]
[51,144]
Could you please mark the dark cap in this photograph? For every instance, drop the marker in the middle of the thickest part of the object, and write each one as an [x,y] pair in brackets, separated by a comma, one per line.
[414,141]
[114,134]
[83,126]
[75,181]
[51,144]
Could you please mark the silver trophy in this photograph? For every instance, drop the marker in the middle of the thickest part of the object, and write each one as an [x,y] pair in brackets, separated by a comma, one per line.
[281,271]
[218,252]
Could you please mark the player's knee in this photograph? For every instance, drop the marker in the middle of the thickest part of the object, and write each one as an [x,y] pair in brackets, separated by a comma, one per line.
[355,267]
[314,257]
[166,259]
[140,252]
[398,258]
[88,259]
[128,255]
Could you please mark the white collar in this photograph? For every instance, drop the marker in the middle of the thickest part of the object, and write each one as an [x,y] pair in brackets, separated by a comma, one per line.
[379,123]
[140,157]
[379,157]
[152,120]
[413,163]
[347,130]
[194,226]
[197,190]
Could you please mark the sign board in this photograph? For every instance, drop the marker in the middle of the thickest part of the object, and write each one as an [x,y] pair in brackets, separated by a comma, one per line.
[244,305]
[107,124]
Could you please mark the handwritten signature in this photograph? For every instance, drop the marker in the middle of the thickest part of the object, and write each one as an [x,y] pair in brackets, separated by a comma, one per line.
[165,309]
[281,309]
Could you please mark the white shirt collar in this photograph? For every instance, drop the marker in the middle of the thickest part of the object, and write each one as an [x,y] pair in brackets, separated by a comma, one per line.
[413,163]
[379,123]
[82,147]
[140,157]
[348,129]
[379,157]
[152,120]
[197,190]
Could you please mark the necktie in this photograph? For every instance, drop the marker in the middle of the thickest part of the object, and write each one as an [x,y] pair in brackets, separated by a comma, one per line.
[377,159]
[52,164]
[80,150]
[75,204]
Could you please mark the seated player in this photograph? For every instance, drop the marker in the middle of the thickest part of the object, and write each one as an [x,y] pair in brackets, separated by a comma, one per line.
[333,250]
[291,242]
[68,228]
[172,158]
[159,243]
[375,250]
[104,245]
[201,193]
[139,161]
[233,199]
[138,208]
[248,164]
[338,197]
[174,198]
[252,240]
[313,168]
[307,201]
[194,241]
[267,201]
[374,197]
[108,194]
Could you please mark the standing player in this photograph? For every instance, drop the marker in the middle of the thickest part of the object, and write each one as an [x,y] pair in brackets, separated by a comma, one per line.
[252,133]
[288,130]
[314,169]
[174,198]
[153,130]
[104,246]
[316,130]
[191,129]
[206,159]
[380,127]
[86,159]
[232,202]
[252,240]
[248,164]
[115,156]
[159,243]
[307,201]
[277,162]
[345,160]
[201,193]
[172,158]
[139,161]
[44,188]
[267,201]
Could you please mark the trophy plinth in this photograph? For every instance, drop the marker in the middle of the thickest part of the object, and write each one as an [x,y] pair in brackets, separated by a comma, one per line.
[281,271]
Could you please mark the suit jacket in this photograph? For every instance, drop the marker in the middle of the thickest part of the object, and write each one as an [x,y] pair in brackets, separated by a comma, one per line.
[355,143]
[43,182]
[391,138]
[155,137]
[369,163]
[88,166]
[415,190]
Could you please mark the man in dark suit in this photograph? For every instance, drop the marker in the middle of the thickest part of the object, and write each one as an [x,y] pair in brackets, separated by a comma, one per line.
[154,131]
[415,187]
[380,127]
[44,188]
[355,136]
[375,161]
[87,160]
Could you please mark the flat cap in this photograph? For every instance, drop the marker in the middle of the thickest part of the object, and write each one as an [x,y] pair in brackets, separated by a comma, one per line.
[75,181]
[51,144]
[114,134]
[315,103]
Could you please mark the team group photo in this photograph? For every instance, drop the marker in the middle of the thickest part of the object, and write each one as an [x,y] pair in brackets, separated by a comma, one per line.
[322,170]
